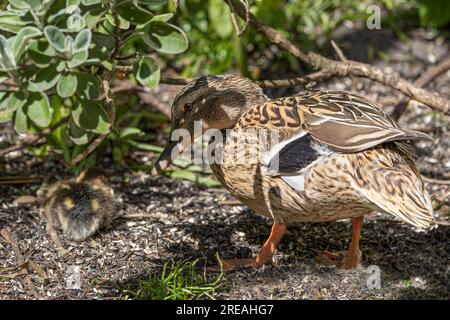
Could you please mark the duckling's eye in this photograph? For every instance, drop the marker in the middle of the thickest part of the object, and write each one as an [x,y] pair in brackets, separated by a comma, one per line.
[188,107]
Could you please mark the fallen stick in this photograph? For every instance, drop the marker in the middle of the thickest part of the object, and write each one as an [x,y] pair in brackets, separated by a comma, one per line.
[20,259]
[422,81]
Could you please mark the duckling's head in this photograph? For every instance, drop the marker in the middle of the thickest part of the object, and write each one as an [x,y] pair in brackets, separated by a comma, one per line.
[212,102]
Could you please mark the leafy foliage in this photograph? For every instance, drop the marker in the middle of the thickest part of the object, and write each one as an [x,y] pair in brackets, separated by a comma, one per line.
[54,55]
[216,48]
[436,12]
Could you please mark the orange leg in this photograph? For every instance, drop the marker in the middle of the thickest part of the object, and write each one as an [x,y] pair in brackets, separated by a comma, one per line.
[353,256]
[264,256]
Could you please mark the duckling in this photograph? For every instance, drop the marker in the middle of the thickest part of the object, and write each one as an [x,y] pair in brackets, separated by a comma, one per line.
[319,156]
[79,207]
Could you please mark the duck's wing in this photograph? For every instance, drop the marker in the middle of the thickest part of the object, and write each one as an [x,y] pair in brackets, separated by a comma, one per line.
[343,121]
[315,124]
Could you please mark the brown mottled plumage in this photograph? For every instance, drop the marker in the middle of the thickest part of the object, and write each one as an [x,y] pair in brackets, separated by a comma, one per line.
[79,207]
[336,156]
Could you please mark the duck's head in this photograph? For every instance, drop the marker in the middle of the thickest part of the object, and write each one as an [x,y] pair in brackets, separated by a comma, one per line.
[213,102]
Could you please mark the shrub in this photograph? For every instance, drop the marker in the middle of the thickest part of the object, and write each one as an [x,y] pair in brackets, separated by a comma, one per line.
[55,54]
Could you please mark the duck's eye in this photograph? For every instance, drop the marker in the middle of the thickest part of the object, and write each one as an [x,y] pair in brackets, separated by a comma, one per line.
[188,107]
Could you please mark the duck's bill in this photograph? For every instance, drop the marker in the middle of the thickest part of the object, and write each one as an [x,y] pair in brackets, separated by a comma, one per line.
[166,158]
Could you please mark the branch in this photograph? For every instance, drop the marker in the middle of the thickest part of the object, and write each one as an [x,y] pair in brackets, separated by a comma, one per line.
[318,76]
[422,81]
[35,142]
[175,81]
[144,93]
[344,68]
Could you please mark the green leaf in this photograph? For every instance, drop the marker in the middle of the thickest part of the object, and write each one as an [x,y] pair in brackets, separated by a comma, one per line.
[78,59]
[82,40]
[5,115]
[78,135]
[164,37]
[38,109]
[90,2]
[72,5]
[59,136]
[90,116]
[163,17]
[152,2]
[102,46]
[75,22]
[93,16]
[56,12]
[16,101]
[44,79]
[435,11]
[7,61]
[133,13]
[68,46]
[61,66]
[129,132]
[67,85]
[87,86]
[41,6]
[3,77]
[19,4]
[35,4]
[21,41]
[147,72]
[123,24]
[219,17]
[4,96]
[41,53]
[5,112]
[21,123]
[117,155]
[13,23]
[55,37]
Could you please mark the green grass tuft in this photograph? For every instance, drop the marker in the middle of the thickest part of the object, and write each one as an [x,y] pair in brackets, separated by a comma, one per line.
[180,282]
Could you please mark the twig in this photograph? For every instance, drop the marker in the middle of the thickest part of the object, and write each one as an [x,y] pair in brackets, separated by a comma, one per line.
[436,181]
[175,81]
[19,180]
[339,51]
[20,259]
[137,216]
[342,69]
[318,76]
[240,32]
[443,223]
[422,81]
[144,93]
[43,135]
[112,117]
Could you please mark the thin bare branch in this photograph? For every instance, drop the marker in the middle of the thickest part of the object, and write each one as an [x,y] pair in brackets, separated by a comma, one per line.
[339,52]
[36,141]
[342,69]
[318,76]
[175,81]
[145,94]
[422,81]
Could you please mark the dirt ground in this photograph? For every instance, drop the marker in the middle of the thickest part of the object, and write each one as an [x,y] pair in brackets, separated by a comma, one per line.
[162,219]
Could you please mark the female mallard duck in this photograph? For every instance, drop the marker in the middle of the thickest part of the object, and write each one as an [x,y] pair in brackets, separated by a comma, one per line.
[320,156]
